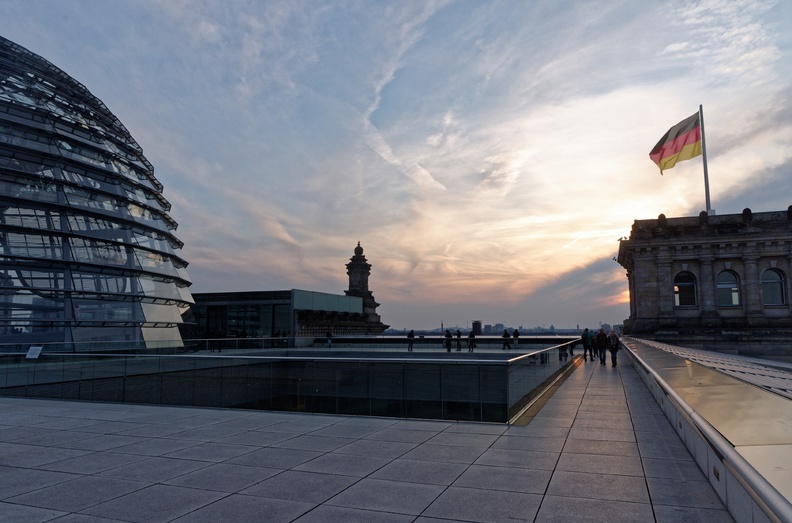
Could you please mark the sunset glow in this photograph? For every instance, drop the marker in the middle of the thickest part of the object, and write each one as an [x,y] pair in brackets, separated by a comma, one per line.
[487,155]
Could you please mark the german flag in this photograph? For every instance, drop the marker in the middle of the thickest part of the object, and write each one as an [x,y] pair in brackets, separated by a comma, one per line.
[681,142]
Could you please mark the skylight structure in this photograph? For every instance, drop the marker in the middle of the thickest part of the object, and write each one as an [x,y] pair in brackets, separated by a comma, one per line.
[88,252]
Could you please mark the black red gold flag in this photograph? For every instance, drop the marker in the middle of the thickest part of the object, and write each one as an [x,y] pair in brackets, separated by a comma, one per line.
[681,142]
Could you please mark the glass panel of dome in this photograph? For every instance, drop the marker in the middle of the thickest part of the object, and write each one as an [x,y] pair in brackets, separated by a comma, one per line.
[108,310]
[165,337]
[98,228]
[159,289]
[85,159]
[152,243]
[159,313]
[154,262]
[19,187]
[31,218]
[184,294]
[97,252]
[36,279]
[71,175]
[81,198]
[144,216]
[21,138]
[33,246]
[19,164]
[101,283]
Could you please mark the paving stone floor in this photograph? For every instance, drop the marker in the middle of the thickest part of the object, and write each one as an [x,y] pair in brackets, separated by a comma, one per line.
[599,450]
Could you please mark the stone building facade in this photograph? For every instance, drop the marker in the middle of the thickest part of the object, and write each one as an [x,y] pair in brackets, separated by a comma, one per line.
[712,281]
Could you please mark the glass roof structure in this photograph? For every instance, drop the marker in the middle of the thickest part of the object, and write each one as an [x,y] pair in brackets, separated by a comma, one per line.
[88,250]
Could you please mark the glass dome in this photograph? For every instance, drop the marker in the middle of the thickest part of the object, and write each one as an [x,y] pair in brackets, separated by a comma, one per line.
[89,254]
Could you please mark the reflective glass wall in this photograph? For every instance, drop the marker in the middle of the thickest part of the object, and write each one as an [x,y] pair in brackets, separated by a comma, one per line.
[87,248]
[469,390]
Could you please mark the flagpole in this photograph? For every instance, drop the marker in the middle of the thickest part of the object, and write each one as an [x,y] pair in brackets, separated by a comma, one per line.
[704,158]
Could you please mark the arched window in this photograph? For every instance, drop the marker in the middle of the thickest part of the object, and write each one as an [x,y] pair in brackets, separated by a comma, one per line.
[773,287]
[727,289]
[685,290]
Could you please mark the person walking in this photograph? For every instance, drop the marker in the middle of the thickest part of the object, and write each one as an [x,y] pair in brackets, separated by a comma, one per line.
[506,340]
[471,339]
[329,336]
[448,340]
[601,343]
[516,336]
[613,346]
[586,341]
[410,339]
[459,340]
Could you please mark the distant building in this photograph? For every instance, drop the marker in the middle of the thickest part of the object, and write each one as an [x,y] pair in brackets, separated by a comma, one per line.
[297,314]
[90,254]
[275,314]
[476,327]
[359,270]
[712,280]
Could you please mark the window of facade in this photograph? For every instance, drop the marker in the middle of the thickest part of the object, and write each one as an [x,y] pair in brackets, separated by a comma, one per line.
[773,287]
[685,290]
[727,289]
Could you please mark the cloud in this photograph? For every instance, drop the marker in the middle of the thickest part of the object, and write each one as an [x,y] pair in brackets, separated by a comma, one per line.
[487,155]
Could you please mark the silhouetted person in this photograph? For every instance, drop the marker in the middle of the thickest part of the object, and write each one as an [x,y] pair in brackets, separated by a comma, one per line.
[516,336]
[459,340]
[586,341]
[601,343]
[448,340]
[471,341]
[613,346]
[506,340]
[329,336]
[410,338]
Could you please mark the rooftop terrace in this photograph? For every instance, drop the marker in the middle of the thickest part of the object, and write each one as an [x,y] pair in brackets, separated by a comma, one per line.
[599,449]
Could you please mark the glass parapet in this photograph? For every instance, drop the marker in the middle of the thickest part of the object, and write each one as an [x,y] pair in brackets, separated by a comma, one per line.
[485,389]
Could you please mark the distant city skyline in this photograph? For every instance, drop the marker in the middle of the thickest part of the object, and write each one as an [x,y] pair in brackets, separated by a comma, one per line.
[487,155]
[497,328]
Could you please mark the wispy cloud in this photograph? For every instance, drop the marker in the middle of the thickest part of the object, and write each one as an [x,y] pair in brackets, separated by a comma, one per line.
[487,155]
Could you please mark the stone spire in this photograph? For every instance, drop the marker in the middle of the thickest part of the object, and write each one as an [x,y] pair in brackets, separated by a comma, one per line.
[358,270]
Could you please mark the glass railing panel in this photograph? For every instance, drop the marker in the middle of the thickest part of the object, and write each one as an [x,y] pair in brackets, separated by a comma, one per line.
[353,388]
[461,391]
[387,389]
[422,393]
[293,380]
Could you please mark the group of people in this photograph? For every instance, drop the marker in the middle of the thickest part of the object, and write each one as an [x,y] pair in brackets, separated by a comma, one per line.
[447,341]
[471,340]
[507,339]
[449,337]
[594,345]
[597,345]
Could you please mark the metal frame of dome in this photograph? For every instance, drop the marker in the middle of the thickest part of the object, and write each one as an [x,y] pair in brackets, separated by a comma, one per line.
[88,250]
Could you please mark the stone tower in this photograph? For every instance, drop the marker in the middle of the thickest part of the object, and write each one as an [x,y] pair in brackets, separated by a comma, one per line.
[358,270]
